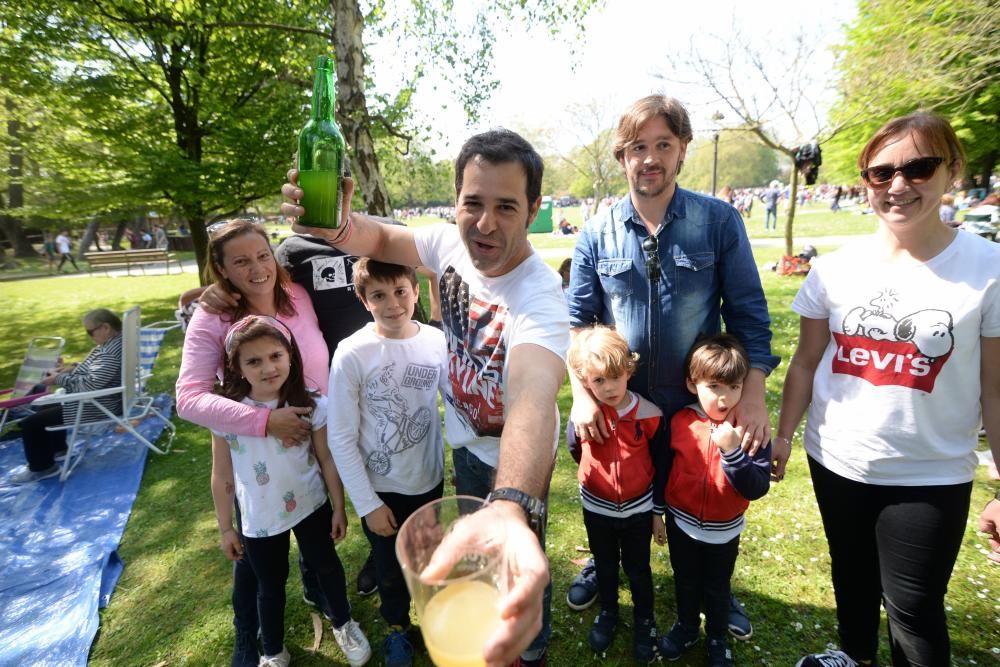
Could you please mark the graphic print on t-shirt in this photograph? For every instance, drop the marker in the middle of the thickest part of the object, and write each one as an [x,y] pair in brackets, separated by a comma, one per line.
[329,273]
[476,354]
[397,429]
[908,351]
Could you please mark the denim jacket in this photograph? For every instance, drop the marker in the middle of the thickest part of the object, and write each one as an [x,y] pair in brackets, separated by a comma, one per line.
[707,274]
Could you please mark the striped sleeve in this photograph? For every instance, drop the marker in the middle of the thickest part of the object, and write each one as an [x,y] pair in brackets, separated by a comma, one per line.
[101,369]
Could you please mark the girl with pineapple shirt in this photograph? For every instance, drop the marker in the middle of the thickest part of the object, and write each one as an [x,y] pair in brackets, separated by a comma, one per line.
[280,489]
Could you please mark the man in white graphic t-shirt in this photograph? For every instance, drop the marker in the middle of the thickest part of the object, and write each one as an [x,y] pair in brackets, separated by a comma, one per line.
[507,329]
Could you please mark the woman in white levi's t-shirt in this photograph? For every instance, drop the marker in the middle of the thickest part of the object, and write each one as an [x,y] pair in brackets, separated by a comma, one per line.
[898,358]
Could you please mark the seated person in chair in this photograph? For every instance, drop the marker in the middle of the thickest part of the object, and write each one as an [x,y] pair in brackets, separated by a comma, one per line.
[100,370]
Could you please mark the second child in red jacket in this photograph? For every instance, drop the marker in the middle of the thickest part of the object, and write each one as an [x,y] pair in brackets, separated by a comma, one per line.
[710,485]
[616,484]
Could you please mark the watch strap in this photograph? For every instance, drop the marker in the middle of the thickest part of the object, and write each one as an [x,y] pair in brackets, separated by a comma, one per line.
[534,509]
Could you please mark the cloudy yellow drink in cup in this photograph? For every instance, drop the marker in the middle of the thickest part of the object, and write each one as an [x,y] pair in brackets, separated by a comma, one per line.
[459,612]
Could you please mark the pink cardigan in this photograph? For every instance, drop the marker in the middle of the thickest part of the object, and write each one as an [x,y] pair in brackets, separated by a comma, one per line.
[201,364]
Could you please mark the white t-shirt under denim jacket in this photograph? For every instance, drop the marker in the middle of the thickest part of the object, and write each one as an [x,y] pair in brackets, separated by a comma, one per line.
[896,396]
[276,486]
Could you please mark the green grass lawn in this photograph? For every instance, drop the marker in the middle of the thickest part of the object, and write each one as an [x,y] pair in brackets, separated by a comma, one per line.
[172,602]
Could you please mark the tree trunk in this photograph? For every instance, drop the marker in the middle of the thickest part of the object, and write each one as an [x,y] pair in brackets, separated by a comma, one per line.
[352,113]
[793,198]
[116,241]
[15,189]
[89,234]
[199,238]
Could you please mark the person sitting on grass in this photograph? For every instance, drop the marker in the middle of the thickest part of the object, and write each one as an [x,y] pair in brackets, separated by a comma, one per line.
[101,369]
[710,485]
[616,485]
[279,488]
[385,433]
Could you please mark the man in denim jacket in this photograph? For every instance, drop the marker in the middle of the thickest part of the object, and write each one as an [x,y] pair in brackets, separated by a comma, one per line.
[665,265]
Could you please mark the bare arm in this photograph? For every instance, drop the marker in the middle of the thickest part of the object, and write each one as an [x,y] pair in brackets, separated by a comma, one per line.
[526,458]
[814,335]
[989,373]
[533,382]
[223,492]
[361,235]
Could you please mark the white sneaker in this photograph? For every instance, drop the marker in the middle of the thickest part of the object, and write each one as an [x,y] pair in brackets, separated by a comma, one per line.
[353,643]
[280,660]
[25,475]
[831,658]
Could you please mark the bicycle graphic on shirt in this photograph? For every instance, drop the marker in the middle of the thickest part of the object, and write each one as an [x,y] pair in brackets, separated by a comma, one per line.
[397,429]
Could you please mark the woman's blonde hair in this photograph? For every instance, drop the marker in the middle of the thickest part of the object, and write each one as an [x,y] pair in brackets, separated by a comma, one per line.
[601,350]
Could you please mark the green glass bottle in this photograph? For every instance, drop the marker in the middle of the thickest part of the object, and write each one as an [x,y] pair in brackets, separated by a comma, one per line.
[321,154]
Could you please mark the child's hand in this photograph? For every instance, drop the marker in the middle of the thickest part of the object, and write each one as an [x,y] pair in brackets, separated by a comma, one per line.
[338,525]
[382,521]
[230,544]
[725,437]
[659,530]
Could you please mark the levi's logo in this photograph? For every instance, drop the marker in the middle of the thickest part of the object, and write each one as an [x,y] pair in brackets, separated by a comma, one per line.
[909,351]
[885,362]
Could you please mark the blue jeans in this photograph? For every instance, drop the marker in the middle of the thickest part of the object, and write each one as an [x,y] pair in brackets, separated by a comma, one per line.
[475,478]
[768,213]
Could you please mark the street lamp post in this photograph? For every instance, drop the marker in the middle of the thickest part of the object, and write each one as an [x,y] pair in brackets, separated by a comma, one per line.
[716,117]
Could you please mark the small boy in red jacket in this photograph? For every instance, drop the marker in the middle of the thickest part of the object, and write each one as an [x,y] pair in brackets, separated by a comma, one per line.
[616,484]
[710,485]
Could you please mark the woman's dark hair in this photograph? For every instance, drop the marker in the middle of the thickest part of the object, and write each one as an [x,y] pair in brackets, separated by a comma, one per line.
[219,235]
[235,387]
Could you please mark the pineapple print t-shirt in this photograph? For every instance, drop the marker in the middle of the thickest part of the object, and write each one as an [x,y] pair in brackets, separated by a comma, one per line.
[276,486]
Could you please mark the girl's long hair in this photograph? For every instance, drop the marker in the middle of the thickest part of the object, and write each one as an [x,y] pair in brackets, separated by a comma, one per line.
[234,386]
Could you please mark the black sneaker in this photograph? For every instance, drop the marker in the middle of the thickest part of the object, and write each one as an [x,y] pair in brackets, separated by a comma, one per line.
[739,623]
[832,658]
[680,638]
[367,583]
[602,632]
[644,641]
[719,653]
[583,591]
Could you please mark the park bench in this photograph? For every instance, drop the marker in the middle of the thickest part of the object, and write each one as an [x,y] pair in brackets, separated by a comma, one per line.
[130,258]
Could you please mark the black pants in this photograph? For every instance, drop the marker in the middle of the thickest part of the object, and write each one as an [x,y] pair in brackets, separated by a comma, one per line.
[41,446]
[702,574]
[626,540]
[896,545]
[392,591]
[63,259]
[268,556]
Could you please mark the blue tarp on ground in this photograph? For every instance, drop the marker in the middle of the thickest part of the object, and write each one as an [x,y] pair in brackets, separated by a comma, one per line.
[58,546]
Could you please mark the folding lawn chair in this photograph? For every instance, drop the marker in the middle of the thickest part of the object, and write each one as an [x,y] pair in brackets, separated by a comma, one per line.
[150,340]
[135,405]
[42,356]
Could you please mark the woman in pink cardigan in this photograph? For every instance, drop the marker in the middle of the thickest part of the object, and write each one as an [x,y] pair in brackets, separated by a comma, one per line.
[243,265]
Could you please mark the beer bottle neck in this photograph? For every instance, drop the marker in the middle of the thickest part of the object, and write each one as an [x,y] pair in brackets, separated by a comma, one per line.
[324,94]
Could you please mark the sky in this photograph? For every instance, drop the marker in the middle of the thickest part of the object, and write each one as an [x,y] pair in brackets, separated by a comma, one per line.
[623,55]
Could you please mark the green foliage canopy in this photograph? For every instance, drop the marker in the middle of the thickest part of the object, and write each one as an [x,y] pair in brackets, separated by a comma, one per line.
[743,162]
[920,54]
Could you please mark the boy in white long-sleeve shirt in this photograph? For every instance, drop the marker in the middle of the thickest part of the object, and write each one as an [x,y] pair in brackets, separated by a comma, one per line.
[383,426]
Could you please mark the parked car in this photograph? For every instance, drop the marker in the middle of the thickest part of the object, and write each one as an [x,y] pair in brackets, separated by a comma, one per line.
[983,220]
